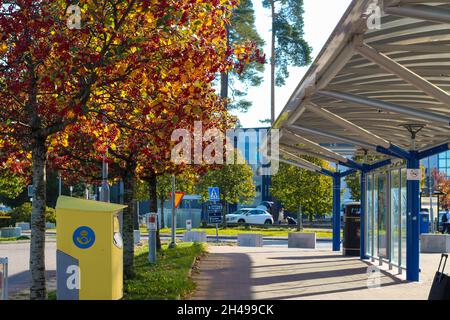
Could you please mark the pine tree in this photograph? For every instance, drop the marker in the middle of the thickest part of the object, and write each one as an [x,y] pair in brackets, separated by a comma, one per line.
[289,48]
[240,30]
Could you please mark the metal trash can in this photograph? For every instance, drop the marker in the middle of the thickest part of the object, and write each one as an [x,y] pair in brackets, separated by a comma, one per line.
[352,230]
[424,222]
[3,278]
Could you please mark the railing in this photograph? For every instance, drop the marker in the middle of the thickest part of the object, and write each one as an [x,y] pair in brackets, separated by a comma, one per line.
[3,278]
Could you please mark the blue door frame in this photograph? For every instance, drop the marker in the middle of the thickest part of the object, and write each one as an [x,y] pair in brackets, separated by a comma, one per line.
[412,222]
[337,212]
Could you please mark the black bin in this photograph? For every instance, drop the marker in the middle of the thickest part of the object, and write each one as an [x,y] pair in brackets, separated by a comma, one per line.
[352,230]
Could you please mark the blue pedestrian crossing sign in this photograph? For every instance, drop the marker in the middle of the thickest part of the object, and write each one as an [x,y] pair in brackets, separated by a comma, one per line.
[214,194]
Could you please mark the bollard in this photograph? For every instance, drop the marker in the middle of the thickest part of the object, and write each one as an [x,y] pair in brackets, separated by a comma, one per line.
[4,278]
[151,226]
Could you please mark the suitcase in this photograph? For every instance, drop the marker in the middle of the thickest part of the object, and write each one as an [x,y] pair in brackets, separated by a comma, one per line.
[440,290]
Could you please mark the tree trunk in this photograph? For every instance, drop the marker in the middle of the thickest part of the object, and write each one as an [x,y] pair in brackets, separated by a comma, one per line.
[272,66]
[163,224]
[224,77]
[299,218]
[128,224]
[37,246]
[136,214]
[153,205]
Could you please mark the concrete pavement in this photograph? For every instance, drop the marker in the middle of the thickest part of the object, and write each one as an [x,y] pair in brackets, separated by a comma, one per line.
[18,264]
[281,273]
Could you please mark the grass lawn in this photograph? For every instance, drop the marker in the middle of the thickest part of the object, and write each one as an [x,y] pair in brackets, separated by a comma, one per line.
[233,231]
[166,280]
[14,239]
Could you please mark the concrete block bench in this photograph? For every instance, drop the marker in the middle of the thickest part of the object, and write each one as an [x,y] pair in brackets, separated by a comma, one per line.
[50,225]
[250,240]
[25,226]
[194,236]
[302,240]
[434,243]
[10,232]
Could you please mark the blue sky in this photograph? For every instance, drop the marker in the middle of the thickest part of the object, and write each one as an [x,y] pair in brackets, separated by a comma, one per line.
[321,17]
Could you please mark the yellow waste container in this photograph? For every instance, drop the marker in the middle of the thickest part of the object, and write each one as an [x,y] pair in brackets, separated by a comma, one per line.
[89,250]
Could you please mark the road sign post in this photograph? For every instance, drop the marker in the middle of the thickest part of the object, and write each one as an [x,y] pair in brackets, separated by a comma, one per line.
[177,197]
[215,210]
[215,216]
[152,227]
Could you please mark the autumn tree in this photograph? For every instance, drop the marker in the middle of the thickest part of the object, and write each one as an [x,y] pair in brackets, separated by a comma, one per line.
[11,185]
[52,74]
[296,187]
[442,184]
[173,90]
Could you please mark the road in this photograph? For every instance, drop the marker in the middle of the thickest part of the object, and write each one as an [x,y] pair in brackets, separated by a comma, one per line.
[18,263]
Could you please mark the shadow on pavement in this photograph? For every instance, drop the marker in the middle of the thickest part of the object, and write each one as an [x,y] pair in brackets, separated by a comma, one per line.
[224,277]
[21,281]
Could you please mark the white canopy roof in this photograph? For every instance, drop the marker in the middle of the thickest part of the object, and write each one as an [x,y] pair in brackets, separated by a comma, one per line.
[367,84]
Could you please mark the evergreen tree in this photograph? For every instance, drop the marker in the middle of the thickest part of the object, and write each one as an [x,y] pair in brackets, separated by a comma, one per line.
[289,48]
[241,29]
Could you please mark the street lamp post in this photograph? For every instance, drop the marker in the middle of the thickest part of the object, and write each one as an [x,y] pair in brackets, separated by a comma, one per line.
[104,193]
[59,184]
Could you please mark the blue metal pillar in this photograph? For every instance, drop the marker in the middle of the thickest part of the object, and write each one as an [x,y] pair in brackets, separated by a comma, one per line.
[336,212]
[363,215]
[412,226]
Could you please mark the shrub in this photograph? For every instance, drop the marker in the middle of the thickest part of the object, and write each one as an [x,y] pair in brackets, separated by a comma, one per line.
[23,214]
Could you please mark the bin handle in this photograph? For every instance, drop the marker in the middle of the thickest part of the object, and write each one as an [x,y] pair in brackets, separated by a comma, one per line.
[444,255]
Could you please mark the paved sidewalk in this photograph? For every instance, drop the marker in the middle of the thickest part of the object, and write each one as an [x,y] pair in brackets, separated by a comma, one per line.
[281,273]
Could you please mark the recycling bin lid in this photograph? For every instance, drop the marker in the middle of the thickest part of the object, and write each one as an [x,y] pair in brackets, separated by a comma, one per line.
[76,204]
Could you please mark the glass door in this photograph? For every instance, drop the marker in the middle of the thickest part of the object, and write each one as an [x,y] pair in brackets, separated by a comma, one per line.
[403,208]
[369,215]
[376,237]
[382,215]
[395,216]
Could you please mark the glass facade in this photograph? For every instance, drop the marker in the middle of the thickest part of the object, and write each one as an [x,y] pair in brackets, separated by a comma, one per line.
[386,216]
[440,162]
[444,163]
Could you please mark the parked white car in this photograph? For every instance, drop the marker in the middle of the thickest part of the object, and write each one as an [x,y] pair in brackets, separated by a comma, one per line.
[251,216]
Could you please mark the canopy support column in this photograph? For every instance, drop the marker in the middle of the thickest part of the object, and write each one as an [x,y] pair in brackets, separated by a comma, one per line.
[412,228]
[362,216]
[336,212]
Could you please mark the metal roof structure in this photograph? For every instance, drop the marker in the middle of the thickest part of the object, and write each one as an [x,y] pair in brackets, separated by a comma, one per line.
[369,84]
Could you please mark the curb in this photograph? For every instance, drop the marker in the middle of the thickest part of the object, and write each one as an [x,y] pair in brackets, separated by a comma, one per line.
[235,237]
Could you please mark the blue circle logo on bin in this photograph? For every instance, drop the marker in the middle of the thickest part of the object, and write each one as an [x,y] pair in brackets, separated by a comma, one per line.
[84,237]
